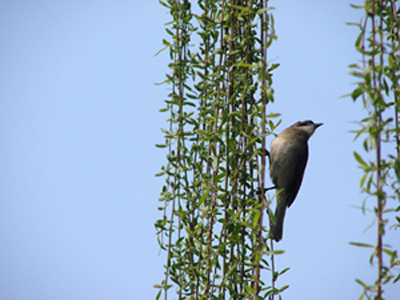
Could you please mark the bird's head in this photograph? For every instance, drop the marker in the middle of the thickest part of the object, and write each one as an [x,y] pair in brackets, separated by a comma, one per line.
[307,126]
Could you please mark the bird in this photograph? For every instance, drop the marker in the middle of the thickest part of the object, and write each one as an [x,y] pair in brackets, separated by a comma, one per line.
[287,161]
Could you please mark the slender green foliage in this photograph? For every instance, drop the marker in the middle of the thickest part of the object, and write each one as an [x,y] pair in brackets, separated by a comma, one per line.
[379,89]
[213,204]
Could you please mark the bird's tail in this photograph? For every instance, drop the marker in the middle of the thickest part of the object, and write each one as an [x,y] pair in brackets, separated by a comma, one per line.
[277,227]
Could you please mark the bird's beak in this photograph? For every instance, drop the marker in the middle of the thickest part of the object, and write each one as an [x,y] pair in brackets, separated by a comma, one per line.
[318,124]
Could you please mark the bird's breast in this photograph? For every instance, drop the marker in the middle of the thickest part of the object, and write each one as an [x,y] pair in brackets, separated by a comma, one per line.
[287,160]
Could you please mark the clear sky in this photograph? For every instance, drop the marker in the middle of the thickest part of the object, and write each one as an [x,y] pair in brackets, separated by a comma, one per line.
[79,121]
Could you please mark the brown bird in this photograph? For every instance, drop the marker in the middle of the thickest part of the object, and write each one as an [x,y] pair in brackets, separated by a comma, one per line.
[288,159]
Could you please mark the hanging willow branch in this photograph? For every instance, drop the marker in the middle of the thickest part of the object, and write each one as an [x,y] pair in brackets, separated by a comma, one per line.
[212,228]
[379,89]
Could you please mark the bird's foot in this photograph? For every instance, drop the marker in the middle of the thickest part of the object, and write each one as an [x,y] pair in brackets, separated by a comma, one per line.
[265,189]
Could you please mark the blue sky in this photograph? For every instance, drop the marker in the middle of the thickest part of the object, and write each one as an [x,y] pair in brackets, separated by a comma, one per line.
[79,121]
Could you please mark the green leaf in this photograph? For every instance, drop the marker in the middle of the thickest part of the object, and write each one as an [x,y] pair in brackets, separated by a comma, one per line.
[165,4]
[273,67]
[166,43]
[363,178]
[263,10]
[353,24]
[356,6]
[283,288]
[161,50]
[204,197]
[389,252]
[161,145]
[202,133]
[215,163]
[284,271]
[361,283]
[360,160]
[356,93]
[275,252]
[249,289]
[160,174]
[159,292]
[362,245]
[256,217]
[397,169]
[273,115]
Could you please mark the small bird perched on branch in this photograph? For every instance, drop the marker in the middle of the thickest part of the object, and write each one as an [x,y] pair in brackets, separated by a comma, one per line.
[287,161]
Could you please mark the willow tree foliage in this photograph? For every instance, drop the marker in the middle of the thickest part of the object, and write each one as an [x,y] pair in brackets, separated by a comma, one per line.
[378,88]
[213,227]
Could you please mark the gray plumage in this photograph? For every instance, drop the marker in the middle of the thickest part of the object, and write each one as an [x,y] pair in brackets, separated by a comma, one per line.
[288,158]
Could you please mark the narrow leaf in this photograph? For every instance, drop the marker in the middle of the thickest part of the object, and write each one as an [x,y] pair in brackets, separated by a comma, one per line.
[360,160]
[361,245]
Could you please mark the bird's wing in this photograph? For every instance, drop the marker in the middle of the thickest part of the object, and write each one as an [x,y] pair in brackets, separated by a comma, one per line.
[296,169]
